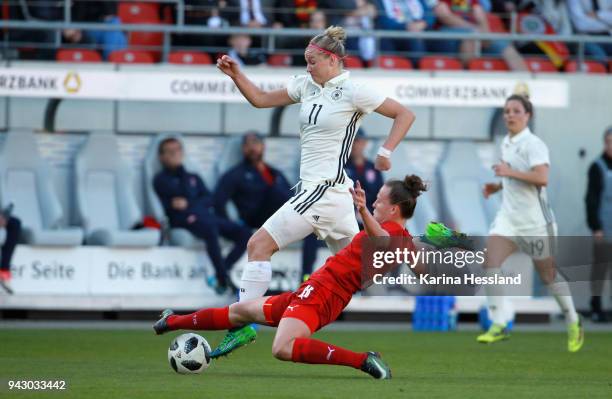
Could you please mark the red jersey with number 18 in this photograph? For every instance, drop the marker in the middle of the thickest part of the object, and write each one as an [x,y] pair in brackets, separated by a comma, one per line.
[342,273]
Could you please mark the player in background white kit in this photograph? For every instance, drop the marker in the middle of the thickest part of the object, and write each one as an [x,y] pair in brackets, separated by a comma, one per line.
[332,108]
[525,221]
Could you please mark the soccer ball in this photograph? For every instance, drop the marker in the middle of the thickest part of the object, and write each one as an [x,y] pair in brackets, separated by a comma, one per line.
[189,354]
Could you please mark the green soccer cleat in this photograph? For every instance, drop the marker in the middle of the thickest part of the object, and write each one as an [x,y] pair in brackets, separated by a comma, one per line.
[161,325]
[440,236]
[575,336]
[376,367]
[496,333]
[234,339]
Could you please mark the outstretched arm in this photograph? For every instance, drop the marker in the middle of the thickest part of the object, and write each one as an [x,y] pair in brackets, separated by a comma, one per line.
[254,95]
[403,119]
[371,226]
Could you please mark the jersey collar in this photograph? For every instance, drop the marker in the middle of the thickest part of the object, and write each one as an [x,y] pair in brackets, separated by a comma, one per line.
[522,135]
[332,82]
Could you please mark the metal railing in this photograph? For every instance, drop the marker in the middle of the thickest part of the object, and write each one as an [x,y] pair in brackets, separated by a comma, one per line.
[272,34]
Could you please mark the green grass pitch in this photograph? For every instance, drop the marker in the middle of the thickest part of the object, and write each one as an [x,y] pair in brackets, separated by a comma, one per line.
[133,364]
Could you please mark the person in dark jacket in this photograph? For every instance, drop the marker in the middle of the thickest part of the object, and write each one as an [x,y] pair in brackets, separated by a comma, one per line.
[258,190]
[13,231]
[189,204]
[361,169]
[599,218]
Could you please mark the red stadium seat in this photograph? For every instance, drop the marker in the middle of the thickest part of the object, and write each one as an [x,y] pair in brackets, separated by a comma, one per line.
[138,13]
[586,66]
[146,41]
[189,57]
[496,24]
[393,62]
[488,64]
[280,60]
[131,57]
[440,63]
[78,55]
[353,62]
[537,64]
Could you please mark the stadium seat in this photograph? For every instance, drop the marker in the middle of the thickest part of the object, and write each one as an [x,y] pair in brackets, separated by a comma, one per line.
[586,67]
[189,57]
[537,64]
[150,42]
[487,64]
[461,176]
[151,165]
[280,60]
[440,63]
[353,62]
[131,57]
[138,13]
[78,55]
[393,62]
[105,200]
[27,183]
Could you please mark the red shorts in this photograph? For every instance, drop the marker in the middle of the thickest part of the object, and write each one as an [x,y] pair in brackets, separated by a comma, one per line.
[312,303]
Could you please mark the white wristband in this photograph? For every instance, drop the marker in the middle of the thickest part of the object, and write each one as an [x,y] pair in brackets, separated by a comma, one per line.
[383,152]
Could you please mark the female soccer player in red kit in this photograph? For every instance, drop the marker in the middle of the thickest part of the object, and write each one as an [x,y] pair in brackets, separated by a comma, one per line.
[320,300]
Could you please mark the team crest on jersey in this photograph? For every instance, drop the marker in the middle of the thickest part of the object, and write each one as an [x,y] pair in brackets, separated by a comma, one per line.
[336,95]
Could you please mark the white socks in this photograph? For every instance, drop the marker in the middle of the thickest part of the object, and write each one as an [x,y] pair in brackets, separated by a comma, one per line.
[255,280]
[561,291]
[496,301]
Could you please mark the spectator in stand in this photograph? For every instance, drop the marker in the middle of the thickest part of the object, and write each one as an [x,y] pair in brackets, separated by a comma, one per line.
[556,14]
[258,190]
[207,13]
[98,12]
[250,13]
[13,230]
[189,205]
[405,15]
[32,11]
[593,17]
[241,51]
[599,218]
[363,17]
[294,13]
[468,16]
[301,14]
[361,169]
[504,6]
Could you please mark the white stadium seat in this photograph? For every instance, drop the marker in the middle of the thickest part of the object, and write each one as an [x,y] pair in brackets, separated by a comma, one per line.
[26,181]
[105,199]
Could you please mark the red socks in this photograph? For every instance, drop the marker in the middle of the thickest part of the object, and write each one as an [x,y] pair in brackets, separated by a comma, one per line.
[308,350]
[204,319]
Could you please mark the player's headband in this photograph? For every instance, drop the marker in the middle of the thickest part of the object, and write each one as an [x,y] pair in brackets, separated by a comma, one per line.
[314,46]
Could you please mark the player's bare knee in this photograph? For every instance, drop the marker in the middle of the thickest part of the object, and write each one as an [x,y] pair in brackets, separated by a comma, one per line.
[260,247]
[282,349]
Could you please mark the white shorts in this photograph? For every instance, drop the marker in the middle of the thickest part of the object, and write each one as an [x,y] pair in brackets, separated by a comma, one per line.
[537,242]
[323,208]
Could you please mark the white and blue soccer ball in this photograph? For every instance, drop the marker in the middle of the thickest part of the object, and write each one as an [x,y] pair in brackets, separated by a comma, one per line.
[189,354]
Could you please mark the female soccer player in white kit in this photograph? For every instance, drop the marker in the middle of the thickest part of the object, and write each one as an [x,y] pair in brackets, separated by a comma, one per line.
[525,221]
[332,108]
